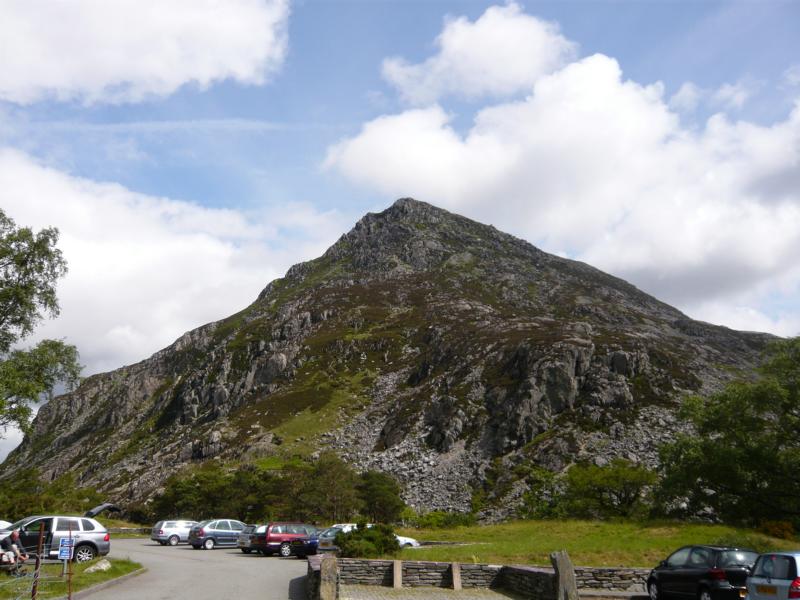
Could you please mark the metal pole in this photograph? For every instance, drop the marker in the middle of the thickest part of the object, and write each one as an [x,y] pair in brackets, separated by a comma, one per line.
[39,546]
[69,572]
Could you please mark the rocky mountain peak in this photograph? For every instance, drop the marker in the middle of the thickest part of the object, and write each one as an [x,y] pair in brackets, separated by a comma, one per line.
[423,344]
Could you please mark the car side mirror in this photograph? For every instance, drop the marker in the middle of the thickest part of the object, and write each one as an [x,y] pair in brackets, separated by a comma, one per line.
[663,563]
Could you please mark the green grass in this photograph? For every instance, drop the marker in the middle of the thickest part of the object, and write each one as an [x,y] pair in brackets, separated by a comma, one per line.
[589,543]
[51,584]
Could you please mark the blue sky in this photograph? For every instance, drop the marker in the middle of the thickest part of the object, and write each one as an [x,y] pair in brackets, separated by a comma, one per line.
[191,151]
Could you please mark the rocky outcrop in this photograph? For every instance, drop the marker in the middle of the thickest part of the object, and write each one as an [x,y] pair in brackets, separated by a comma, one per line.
[422,344]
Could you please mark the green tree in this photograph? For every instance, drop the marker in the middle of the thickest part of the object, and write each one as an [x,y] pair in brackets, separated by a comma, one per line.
[618,489]
[329,492]
[30,265]
[380,497]
[741,460]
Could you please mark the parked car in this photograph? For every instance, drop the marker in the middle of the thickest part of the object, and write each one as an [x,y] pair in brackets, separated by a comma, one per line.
[406,542]
[246,537]
[702,573]
[172,532]
[215,532]
[90,537]
[305,546]
[278,537]
[775,577]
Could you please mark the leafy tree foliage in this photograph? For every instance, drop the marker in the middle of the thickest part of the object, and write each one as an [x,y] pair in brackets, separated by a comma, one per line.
[380,497]
[325,491]
[741,462]
[30,265]
[618,489]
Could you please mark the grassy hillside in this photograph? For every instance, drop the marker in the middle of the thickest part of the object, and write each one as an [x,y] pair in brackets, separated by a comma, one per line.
[589,543]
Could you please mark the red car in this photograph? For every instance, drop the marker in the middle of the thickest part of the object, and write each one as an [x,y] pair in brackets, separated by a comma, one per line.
[278,538]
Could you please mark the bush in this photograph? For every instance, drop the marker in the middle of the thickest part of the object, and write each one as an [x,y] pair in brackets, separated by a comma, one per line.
[368,542]
[783,530]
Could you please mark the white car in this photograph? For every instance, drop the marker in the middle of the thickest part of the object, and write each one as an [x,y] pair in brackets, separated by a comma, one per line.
[406,542]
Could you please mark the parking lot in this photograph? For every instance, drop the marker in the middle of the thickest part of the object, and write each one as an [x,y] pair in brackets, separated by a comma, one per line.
[181,572]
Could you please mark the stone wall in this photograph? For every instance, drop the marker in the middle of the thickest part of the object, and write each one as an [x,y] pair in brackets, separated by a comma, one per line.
[533,582]
[358,571]
[530,582]
[313,577]
[611,579]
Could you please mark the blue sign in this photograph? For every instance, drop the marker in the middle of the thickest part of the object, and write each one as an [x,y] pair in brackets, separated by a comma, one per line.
[65,546]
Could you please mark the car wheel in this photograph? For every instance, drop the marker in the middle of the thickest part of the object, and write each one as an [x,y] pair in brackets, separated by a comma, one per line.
[653,591]
[173,540]
[208,544]
[246,550]
[285,550]
[84,553]
[704,594]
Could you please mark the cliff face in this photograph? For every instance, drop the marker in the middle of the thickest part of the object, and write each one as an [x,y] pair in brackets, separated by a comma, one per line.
[421,343]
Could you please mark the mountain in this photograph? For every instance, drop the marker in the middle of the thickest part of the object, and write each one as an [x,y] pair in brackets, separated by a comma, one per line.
[421,343]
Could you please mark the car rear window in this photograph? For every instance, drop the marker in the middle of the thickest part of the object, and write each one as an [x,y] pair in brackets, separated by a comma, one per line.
[736,558]
[775,566]
[87,525]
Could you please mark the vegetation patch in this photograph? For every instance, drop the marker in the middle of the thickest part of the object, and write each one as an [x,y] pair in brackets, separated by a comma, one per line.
[589,543]
[51,584]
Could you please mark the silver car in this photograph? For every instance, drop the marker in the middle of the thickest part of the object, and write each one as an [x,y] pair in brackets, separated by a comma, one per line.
[171,532]
[90,538]
[775,577]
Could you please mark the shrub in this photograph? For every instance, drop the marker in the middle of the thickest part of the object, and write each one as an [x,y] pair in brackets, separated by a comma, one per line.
[783,530]
[618,489]
[368,542]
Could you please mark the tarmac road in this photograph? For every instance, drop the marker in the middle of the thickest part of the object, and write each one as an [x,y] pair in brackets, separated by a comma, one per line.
[182,572]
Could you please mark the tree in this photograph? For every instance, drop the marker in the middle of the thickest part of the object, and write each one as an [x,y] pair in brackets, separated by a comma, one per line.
[380,497]
[617,489]
[741,462]
[30,266]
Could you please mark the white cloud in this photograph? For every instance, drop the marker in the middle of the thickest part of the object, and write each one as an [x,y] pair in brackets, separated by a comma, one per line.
[687,98]
[127,50]
[144,270]
[601,167]
[733,95]
[502,53]
[791,76]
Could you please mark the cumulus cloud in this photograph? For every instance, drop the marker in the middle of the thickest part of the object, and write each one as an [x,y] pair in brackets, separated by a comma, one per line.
[126,50]
[500,54]
[602,168]
[143,270]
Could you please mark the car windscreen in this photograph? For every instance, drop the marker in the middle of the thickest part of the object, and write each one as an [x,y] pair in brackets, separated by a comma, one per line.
[19,523]
[203,523]
[736,558]
[330,532]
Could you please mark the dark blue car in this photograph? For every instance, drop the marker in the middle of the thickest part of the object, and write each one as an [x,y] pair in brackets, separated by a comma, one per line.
[306,545]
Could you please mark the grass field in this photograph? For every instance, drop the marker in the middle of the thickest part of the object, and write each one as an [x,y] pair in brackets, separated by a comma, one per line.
[589,543]
[51,584]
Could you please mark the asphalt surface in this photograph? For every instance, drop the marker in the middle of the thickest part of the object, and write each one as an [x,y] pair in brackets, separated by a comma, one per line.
[182,572]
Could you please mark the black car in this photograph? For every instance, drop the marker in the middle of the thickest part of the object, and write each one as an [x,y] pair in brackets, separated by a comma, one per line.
[703,573]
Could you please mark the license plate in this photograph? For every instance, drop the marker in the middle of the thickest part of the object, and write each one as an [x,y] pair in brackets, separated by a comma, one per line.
[767,589]
[325,544]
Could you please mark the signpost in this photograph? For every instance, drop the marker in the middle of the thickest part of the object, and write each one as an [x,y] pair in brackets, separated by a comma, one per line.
[65,548]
